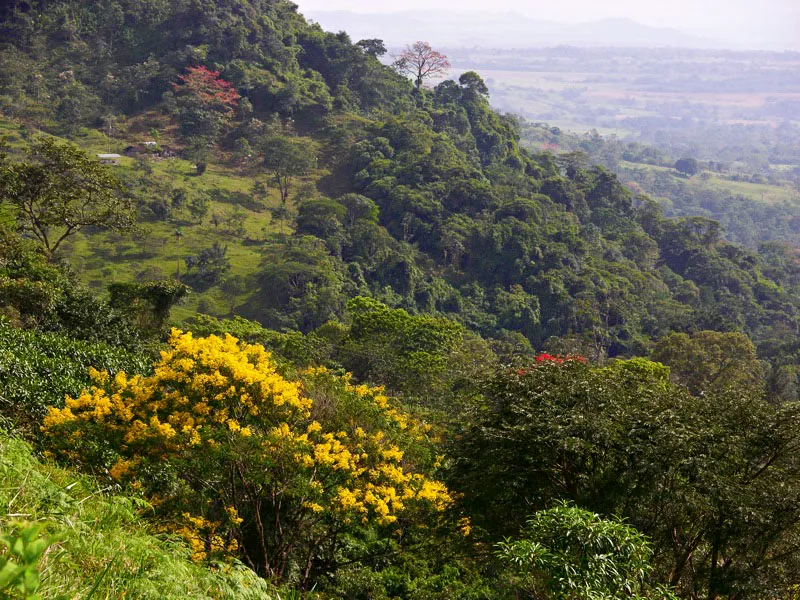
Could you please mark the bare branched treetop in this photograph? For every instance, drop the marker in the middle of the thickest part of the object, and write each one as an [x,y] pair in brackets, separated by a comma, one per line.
[421,61]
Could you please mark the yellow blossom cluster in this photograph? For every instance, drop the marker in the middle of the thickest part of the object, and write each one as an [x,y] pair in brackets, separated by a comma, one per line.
[375,395]
[196,386]
[204,538]
[465,526]
[217,417]
[367,472]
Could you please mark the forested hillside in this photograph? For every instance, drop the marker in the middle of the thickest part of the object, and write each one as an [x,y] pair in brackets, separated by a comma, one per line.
[753,207]
[413,359]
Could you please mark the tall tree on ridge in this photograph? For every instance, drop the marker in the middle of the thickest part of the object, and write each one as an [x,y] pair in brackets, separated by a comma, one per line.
[420,61]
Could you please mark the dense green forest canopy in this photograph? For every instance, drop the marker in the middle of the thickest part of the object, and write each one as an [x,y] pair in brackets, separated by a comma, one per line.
[436,373]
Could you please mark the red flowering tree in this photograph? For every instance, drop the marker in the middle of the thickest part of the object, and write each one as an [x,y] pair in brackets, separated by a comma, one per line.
[420,61]
[558,359]
[552,359]
[206,103]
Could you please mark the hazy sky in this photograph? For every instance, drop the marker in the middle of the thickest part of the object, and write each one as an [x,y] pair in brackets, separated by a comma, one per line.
[754,19]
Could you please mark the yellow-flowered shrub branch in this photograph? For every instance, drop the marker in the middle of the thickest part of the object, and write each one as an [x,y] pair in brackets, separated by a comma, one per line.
[240,459]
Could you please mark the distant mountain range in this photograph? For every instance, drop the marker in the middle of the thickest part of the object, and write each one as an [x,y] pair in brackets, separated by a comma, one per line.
[501,30]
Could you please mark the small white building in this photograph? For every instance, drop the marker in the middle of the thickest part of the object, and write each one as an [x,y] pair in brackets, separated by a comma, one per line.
[109,159]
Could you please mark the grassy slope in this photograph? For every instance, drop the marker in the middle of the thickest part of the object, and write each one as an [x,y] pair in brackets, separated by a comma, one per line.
[99,530]
[757,192]
[100,258]
[769,194]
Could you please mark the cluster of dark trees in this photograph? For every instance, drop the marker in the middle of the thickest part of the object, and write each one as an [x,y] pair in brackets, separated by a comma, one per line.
[68,64]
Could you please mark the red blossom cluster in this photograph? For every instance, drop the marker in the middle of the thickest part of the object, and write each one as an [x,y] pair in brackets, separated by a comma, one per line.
[207,87]
[544,357]
[553,359]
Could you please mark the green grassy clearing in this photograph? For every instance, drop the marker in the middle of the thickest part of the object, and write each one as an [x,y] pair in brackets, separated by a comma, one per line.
[757,192]
[154,250]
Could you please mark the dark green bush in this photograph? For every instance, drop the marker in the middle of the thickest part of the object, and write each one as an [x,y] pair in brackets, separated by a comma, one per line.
[38,369]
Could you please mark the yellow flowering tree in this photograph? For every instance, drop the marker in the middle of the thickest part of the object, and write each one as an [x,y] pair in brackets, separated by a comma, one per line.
[238,459]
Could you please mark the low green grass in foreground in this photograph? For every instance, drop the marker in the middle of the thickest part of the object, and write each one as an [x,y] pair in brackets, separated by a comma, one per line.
[105,548]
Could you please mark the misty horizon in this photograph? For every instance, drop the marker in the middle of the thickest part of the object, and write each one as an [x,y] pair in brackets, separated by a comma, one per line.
[773,25]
